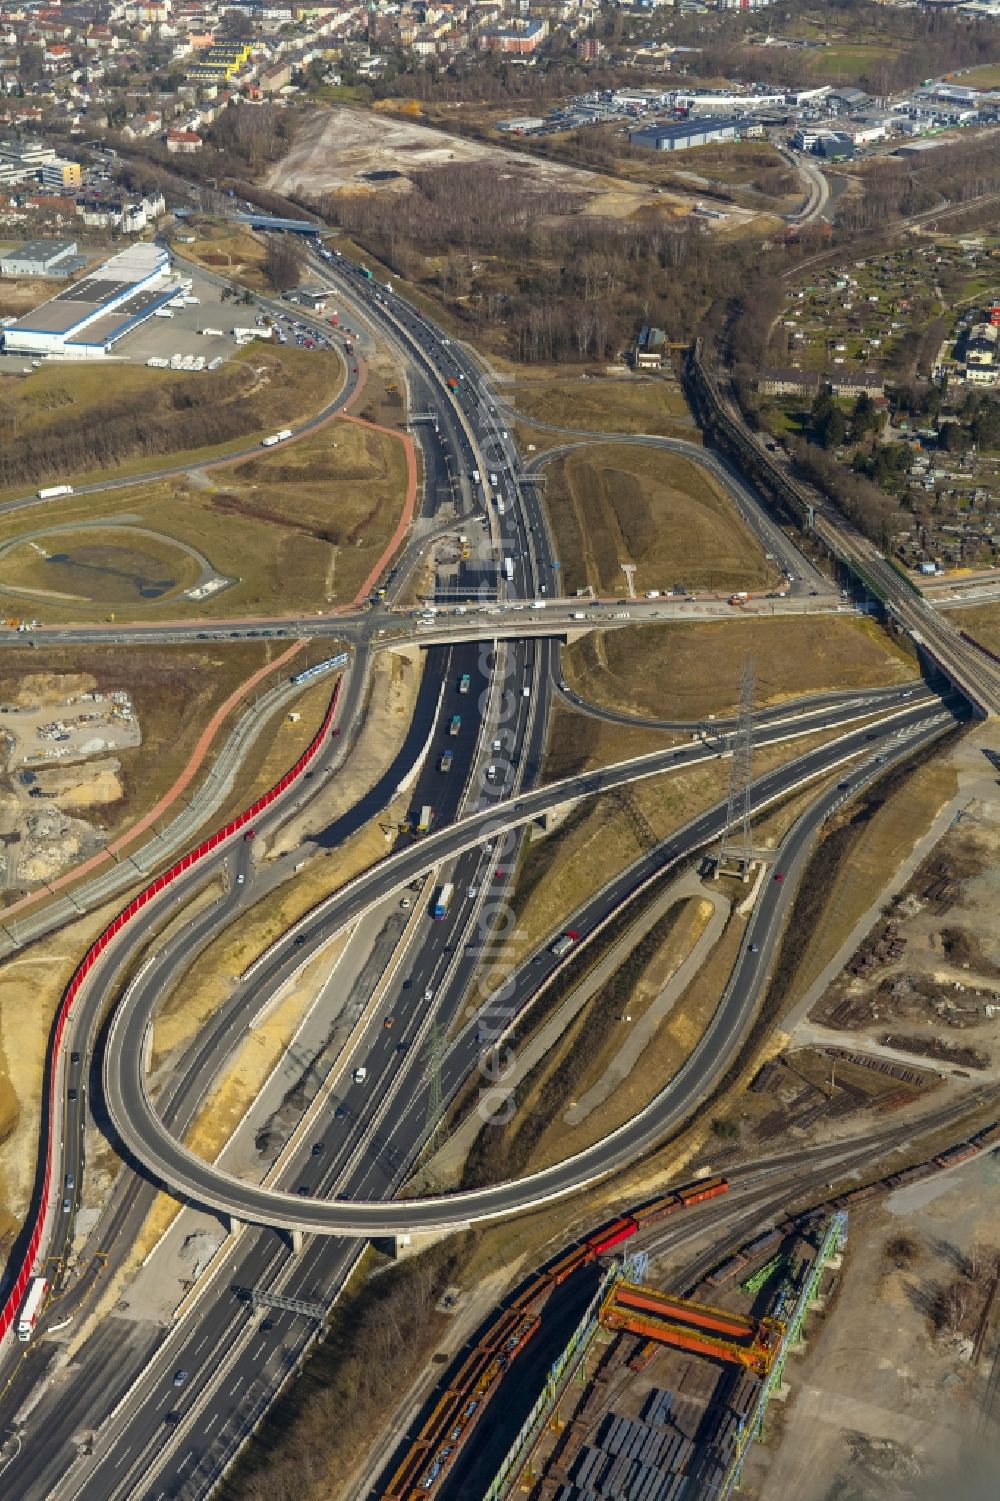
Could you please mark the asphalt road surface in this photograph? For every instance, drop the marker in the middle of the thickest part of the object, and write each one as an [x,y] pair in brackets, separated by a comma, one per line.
[135,1117]
[170,1440]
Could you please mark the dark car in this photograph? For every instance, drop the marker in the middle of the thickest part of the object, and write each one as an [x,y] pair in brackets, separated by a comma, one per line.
[779,875]
[318,1148]
[72,1095]
[74,1057]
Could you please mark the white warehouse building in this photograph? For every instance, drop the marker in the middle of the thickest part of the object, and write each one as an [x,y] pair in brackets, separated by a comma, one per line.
[86,319]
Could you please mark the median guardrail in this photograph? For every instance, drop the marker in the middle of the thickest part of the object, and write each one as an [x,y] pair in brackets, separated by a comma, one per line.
[12,1302]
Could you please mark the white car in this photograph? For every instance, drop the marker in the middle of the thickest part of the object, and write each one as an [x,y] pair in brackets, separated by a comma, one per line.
[429,993]
[360,1075]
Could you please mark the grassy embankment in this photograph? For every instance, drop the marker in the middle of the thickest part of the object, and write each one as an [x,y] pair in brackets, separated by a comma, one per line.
[614,504]
[82,424]
[983,622]
[296,529]
[689,671]
[595,402]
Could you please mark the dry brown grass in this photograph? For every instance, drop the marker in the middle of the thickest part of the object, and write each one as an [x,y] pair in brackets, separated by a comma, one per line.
[228,251]
[202,990]
[267,385]
[561,870]
[983,622]
[612,504]
[659,1061]
[601,403]
[298,528]
[31,987]
[875,850]
[692,670]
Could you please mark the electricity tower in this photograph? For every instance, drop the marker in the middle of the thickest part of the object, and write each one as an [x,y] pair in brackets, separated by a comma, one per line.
[736,848]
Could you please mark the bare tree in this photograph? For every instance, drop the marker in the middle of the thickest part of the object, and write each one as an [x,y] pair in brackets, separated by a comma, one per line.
[283,263]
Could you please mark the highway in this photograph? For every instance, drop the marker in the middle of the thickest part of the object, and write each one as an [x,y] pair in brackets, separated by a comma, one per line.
[525,724]
[844,700]
[136,1121]
[168,1440]
[224,1322]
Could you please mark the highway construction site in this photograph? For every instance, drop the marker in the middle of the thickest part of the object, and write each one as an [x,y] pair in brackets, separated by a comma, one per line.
[627,1313]
[59,763]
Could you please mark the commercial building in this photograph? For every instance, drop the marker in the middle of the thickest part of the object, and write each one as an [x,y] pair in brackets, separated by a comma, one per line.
[916,148]
[39,258]
[61,174]
[728,105]
[21,160]
[688,133]
[835,145]
[89,317]
[521,126]
[649,348]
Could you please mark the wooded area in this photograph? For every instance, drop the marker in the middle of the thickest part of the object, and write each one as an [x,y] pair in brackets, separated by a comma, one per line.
[521,266]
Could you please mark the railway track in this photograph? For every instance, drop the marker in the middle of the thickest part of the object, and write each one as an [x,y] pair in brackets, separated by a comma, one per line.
[970,669]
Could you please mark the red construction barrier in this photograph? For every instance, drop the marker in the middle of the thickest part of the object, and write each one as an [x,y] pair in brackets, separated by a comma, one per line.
[14,1298]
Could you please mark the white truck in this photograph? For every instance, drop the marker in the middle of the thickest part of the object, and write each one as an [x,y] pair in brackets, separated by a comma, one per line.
[31,1308]
[52,491]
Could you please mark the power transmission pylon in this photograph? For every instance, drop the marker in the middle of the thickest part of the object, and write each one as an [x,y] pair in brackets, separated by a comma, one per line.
[643,832]
[736,848]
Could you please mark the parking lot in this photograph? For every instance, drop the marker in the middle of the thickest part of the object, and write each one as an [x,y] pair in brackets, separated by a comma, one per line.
[182,333]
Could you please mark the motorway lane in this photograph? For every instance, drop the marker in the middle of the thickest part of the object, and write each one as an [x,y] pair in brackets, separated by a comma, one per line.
[263,1258]
[276,968]
[524,711]
[438,660]
[425,719]
[136,1118]
[98,1492]
[36,1468]
[314,1243]
[873,698]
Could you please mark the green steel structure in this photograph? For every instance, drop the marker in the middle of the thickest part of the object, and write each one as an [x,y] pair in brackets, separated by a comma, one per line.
[833,1240]
[763,1274]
